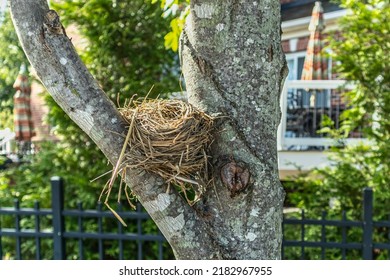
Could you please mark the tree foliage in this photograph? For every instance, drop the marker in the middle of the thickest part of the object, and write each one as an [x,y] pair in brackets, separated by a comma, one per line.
[11,58]
[179,9]
[125,50]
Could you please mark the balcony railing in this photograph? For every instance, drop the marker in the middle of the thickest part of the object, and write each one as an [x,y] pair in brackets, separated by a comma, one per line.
[304,105]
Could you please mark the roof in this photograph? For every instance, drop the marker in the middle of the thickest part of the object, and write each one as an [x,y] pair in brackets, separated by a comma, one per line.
[293,9]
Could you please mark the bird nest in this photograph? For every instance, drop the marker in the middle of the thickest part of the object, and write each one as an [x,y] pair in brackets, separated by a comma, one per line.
[169,138]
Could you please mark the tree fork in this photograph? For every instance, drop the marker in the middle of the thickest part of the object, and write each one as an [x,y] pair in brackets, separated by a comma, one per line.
[234,67]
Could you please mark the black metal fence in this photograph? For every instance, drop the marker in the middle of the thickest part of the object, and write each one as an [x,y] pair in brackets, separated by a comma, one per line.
[60,236]
[365,231]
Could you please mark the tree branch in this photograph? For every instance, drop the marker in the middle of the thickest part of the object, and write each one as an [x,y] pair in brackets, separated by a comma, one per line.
[66,78]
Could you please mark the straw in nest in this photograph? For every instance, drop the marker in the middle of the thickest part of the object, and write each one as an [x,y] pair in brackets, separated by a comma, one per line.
[169,138]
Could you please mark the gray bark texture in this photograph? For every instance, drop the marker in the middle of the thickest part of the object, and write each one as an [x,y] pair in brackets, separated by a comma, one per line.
[234,69]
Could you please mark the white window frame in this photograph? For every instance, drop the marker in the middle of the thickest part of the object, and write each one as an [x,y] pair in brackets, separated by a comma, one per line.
[294,57]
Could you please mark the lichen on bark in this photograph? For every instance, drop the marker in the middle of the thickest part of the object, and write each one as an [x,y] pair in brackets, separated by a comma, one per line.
[233,65]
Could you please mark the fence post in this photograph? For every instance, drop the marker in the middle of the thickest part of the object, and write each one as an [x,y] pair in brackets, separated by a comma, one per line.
[57,204]
[367,223]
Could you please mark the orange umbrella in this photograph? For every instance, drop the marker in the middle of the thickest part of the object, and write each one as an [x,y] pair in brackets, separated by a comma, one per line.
[315,66]
[24,130]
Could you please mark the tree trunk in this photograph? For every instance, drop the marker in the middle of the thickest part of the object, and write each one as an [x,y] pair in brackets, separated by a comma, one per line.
[234,69]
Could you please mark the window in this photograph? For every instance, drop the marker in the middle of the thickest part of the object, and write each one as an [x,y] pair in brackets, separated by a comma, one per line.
[300,98]
[295,63]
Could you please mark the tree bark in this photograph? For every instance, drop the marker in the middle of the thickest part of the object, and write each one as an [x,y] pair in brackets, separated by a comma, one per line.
[234,68]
